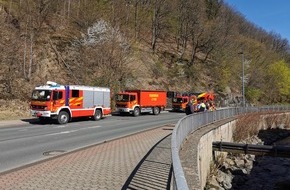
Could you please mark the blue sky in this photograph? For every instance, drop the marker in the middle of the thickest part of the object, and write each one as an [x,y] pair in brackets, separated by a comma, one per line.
[271,15]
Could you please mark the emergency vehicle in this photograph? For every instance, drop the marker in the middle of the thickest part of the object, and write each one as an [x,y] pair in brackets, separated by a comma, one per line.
[179,103]
[208,99]
[141,101]
[64,102]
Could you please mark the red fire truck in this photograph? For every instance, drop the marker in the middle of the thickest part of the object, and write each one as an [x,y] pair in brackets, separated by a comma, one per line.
[179,102]
[141,101]
[64,102]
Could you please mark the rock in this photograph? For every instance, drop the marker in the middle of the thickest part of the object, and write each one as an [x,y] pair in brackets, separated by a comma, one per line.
[239,163]
[227,184]
[249,165]
[229,162]
[222,176]
[250,172]
[240,172]
[281,126]
[214,184]
[250,157]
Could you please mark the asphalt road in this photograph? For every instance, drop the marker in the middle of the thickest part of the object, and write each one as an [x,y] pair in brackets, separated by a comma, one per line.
[30,141]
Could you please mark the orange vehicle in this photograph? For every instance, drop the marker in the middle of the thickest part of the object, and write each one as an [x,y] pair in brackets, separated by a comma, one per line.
[208,98]
[141,101]
[179,102]
[64,102]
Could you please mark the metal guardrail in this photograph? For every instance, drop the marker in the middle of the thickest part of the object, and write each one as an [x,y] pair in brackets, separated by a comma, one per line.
[192,122]
[261,150]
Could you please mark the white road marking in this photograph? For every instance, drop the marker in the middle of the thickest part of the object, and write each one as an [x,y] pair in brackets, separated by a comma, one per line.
[72,131]
[66,132]
[93,127]
[60,126]
[62,132]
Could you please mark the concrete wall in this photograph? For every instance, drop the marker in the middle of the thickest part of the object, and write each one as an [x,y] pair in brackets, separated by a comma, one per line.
[223,131]
[196,152]
[205,153]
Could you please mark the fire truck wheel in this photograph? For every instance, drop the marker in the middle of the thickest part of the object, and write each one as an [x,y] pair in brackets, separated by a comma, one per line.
[156,110]
[63,117]
[136,112]
[98,115]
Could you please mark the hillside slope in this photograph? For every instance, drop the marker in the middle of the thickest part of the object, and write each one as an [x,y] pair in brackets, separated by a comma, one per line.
[184,46]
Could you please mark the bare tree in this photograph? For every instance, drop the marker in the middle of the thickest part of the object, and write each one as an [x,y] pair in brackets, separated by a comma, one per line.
[159,12]
[183,29]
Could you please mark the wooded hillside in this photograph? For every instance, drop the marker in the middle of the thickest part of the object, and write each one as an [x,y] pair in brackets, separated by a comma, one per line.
[175,45]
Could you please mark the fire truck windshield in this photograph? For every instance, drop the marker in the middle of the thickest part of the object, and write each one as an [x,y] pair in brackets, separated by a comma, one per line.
[122,97]
[177,100]
[41,95]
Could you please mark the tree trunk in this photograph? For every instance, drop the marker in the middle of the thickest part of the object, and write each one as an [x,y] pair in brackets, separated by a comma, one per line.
[154,27]
[31,56]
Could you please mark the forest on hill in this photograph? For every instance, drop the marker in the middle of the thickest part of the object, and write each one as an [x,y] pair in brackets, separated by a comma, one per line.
[174,45]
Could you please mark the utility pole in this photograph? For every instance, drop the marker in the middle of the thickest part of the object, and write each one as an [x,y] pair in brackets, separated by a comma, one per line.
[243,79]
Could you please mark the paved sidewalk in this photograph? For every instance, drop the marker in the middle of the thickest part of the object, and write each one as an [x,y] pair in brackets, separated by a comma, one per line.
[8,123]
[101,167]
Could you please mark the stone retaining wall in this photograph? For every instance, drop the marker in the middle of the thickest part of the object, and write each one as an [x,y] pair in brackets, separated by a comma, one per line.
[196,153]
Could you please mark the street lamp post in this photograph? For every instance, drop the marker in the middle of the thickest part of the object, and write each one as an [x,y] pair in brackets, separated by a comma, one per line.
[243,78]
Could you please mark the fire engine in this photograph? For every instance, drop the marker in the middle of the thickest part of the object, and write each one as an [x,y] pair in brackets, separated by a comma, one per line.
[180,101]
[141,101]
[64,102]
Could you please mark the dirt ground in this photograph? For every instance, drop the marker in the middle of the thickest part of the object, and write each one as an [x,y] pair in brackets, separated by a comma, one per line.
[14,109]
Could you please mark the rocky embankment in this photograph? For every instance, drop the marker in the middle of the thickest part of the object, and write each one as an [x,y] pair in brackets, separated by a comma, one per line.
[240,172]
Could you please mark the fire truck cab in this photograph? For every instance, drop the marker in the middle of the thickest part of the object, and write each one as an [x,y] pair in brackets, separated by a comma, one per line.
[64,102]
[179,103]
